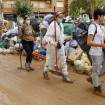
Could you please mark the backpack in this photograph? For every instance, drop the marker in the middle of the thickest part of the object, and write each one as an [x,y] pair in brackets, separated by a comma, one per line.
[23,29]
[82,38]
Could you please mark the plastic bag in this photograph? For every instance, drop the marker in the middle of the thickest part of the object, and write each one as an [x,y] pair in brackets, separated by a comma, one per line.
[79,66]
[68,28]
[1,50]
[85,59]
[73,43]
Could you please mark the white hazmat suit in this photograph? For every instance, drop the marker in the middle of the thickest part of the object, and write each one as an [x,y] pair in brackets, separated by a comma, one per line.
[51,55]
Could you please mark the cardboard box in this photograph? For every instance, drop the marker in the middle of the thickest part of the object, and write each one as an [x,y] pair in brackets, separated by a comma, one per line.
[75,55]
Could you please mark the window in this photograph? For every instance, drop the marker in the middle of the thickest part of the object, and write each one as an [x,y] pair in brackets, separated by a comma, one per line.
[60,4]
[11,4]
[42,4]
[35,3]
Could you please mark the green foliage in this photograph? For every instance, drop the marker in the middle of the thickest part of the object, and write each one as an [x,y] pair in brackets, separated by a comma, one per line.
[85,5]
[24,7]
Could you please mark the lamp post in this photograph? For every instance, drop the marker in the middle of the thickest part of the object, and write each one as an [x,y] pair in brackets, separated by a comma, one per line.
[2,9]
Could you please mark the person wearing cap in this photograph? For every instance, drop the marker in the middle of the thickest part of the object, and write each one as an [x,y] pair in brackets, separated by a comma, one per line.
[26,34]
[51,44]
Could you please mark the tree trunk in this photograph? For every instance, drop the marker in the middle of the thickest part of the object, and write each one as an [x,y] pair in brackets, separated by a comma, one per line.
[66,7]
[92,8]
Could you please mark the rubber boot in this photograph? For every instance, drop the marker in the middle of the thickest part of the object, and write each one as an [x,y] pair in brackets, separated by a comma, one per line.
[31,68]
[45,74]
[27,66]
[66,79]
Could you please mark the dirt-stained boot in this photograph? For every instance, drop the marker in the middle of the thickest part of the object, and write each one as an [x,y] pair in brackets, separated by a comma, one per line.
[30,65]
[27,66]
[45,74]
[98,91]
[66,79]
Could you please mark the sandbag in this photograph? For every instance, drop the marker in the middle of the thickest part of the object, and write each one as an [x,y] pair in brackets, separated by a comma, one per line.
[68,27]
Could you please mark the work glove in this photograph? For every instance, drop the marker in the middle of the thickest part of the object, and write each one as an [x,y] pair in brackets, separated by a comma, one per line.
[103,46]
[68,37]
[59,45]
[52,43]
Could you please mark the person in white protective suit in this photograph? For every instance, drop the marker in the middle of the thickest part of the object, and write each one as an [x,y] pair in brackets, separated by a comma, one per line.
[51,55]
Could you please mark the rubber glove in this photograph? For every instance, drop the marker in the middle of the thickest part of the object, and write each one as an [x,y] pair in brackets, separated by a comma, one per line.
[59,45]
[52,43]
[103,45]
[68,37]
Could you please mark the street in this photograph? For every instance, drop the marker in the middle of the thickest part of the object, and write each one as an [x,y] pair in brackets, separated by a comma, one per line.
[30,88]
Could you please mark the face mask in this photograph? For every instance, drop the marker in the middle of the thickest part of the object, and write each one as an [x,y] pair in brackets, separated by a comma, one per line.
[28,22]
[60,20]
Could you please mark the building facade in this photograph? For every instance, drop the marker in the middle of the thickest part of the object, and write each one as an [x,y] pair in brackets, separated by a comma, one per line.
[45,7]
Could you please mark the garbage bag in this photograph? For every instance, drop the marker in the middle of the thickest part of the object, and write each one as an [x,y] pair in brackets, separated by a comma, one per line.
[35,48]
[67,45]
[46,18]
[85,59]
[17,46]
[12,32]
[84,26]
[45,23]
[4,52]
[73,43]
[3,44]
[42,52]
[68,27]
[35,24]
[76,32]
[79,66]
[1,50]
[8,51]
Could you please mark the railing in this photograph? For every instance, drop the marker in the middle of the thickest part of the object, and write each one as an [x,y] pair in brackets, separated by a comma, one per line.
[48,10]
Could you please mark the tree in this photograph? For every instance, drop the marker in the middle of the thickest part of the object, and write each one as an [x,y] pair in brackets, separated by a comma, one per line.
[87,6]
[66,7]
[24,7]
[92,8]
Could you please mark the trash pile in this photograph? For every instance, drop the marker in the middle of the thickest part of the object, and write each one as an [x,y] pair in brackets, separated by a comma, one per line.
[74,52]
[8,38]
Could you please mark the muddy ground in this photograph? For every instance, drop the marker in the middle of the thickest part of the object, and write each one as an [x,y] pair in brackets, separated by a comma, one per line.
[18,87]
